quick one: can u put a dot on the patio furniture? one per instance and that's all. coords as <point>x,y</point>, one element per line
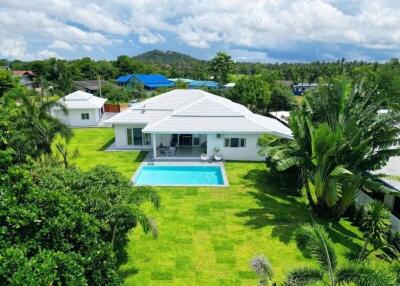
<point>162,150</point>
<point>204,157</point>
<point>218,157</point>
<point>170,151</point>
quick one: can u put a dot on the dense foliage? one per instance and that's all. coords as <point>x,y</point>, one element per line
<point>57,76</point>
<point>261,94</point>
<point>332,146</point>
<point>58,225</point>
<point>221,66</point>
<point>315,242</point>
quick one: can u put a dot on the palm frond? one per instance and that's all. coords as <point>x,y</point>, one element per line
<point>365,275</point>
<point>303,276</point>
<point>318,244</point>
<point>144,194</point>
<point>340,171</point>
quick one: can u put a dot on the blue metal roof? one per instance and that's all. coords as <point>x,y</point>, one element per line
<point>203,83</point>
<point>124,78</point>
<point>149,81</point>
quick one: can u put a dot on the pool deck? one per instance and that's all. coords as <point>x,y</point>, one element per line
<point>148,161</point>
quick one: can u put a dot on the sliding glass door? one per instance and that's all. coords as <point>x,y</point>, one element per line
<point>135,137</point>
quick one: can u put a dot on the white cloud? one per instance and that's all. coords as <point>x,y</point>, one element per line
<point>12,48</point>
<point>243,55</point>
<point>257,24</point>
<point>61,45</point>
<point>16,49</point>
<point>45,54</point>
<point>87,48</point>
<point>151,38</point>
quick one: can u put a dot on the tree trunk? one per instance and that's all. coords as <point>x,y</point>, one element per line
<point>309,196</point>
<point>360,256</point>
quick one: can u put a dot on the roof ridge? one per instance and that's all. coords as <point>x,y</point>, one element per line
<point>170,115</point>
<point>189,105</point>
<point>214,98</point>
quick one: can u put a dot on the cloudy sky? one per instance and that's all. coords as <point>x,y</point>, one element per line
<point>250,30</point>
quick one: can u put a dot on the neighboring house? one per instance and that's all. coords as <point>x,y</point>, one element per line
<point>84,109</point>
<point>301,87</point>
<point>287,83</point>
<point>149,81</point>
<point>27,78</point>
<point>204,84</point>
<point>193,122</point>
<point>90,86</point>
<point>185,80</point>
<point>281,115</point>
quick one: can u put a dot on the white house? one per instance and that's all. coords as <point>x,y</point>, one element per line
<point>84,109</point>
<point>193,122</point>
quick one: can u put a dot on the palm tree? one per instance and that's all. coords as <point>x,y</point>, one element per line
<point>376,222</point>
<point>333,146</point>
<point>316,242</point>
<point>33,116</point>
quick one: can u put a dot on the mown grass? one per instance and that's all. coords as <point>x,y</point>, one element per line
<point>207,236</point>
<point>91,144</point>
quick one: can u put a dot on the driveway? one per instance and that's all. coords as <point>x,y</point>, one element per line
<point>106,115</point>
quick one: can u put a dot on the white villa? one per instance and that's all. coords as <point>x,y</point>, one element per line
<point>188,123</point>
<point>84,109</point>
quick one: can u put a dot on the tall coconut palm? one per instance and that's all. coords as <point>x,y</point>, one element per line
<point>32,116</point>
<point>339,135</point>
<point>316,242</point>
<point>376,223</point>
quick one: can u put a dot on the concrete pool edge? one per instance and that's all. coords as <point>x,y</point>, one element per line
<point>186,163</point>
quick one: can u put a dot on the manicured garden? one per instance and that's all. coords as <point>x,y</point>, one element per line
<point>207,236</point>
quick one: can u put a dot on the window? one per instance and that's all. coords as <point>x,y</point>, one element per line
<point>135,137</point>
<point>235,142</point>
<point>85,116</point>
<point>147,139</point>
<point>196,140</point>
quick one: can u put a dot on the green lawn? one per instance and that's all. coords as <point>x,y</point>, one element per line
<point>207,236</point>
<point>91,143</point>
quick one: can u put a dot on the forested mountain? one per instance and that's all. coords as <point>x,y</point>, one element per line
<point>179,65</point>
<point>159,57</point>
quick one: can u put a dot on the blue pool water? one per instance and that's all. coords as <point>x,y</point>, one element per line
<point>179,176</point>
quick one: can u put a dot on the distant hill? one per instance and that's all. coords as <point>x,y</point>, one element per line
<point>166,58</point>
<point>175,64</point>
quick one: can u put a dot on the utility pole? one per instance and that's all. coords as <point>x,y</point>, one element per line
<point>99,85</point>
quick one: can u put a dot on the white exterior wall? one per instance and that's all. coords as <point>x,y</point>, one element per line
<point>121,140</point>
<point>73,118</point>
<point>248,153</point>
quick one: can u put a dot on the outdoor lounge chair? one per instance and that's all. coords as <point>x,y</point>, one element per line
<point>171,151</point>
<point>218,157</point>
<point>204,157</point>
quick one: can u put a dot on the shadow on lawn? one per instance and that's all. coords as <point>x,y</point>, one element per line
<point>139,158</point>
<point>106,145</point>
<point>276,208</point>
<point>284,212</point>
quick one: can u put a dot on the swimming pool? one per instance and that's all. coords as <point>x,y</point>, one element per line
<point>160,175</point>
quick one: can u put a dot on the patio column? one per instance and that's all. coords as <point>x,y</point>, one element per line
<point>153,140</point>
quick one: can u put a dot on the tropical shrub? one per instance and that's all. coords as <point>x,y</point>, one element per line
<point>62,226</point>
<point>315,242</point>
<point>333,147</point>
